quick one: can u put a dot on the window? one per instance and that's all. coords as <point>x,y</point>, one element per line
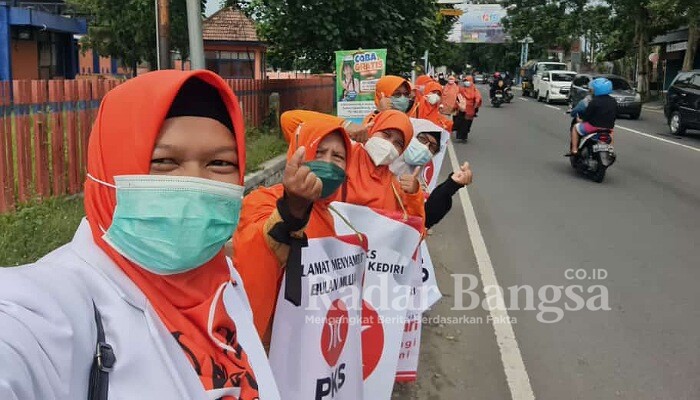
<point>620,84</point>
<point>581,81</point>
<point>562,77</point>
<point>695,82</point>
<point>231,64</point>
<point>544,67</point>
<point>683,79</point>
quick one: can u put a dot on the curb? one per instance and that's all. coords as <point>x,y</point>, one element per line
<point>269,174</point>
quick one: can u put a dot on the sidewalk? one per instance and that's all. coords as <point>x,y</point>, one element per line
<point>657,105</point>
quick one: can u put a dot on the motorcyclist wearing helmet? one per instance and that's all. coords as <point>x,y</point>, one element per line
<point>599,115</point>
<point>495,85</point>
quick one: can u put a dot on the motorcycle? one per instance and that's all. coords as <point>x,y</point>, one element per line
<point>595,155</point>
<point>508,95</point>
<point>497,98</point>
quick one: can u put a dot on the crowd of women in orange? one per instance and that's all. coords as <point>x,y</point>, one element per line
<point>171,317</point>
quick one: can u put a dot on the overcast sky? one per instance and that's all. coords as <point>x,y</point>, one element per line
<point>212,7</point>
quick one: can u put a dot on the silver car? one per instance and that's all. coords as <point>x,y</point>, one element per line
<point>629,102</point>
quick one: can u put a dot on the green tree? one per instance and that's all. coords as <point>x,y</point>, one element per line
<point>126,29</point>
<point>686,12</point>
<point>642,21</point>
<point>550,23</point>
<point>304,35</point>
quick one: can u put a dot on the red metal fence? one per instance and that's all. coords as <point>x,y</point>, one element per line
<point>45,126</point>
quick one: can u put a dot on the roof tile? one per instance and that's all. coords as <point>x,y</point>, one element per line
<point>229,24</point>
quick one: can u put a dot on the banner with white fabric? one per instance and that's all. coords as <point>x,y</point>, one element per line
<point>431,170</point>
<point>425,294</point>
<point>386,293</point>
<point>315,351</point>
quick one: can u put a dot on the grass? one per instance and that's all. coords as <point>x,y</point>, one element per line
<point>262,145</point>
<point>38,227</point>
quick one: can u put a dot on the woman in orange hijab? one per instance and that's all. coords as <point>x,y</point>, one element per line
<point>468,103</point>
<point>393,93</point>
<point>449,96</point>
<point>370,182</point>
<point>421,81</point>
<point>295,208</point>
<point>145,277</point>
<point>430,106</point>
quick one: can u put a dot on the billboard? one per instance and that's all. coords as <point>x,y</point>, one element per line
<point>479,23</point>
<point>357,74</point>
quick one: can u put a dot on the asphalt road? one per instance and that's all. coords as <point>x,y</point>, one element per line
<point>641,226</point>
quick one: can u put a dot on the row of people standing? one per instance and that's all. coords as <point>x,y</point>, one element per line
<point>143,303</point>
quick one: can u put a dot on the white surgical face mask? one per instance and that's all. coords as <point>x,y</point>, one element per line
<point>417,153</point>
<point>381,151</point>
<point>467,84</point>
<point>433,98</point>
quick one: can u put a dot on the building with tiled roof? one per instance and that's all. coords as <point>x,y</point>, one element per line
<point>232,47</point>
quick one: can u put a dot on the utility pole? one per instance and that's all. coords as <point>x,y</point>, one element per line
<point>194,28</point>
<point>163,16</point>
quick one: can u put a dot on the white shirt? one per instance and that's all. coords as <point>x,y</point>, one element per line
<point>48,332</point>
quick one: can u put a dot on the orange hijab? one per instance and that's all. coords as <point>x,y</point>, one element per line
<point>121,143</point>
<point>370,185</point>
<point>254,260</point>
<point>386,86</point>
<point>429,111</point>
<point>472,97</point>
<point>470,92</point>
<point>449,96</point>
<point>421,83</point>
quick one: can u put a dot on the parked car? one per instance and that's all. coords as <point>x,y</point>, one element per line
<point>628,100</point>
<point>540,69</point>
<point>555,86</point>
<point>682,108</point>
<point>479,78</point>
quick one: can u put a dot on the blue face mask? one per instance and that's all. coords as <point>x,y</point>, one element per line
<point>172,224</point>
<point>400,103</point>
<point>417,153</point>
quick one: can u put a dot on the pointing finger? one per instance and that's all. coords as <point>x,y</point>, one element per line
<point>416,172</point>
<point>297,157</point>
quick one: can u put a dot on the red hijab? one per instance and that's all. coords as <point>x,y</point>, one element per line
<point>121,143</point>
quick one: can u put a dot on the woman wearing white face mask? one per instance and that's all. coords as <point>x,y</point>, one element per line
<point>425,145</point>
<point>430,106</point>
<point>468,103</point>
<point>370,182</point>
<point>143,303</point>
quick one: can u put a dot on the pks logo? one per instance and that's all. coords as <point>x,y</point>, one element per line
<point>333,338</point>
<point>335,332</point>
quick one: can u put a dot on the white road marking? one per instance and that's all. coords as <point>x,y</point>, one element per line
<point>553,107</point>
<point>513,365</point>
<point>523,99</point>
<point>657,138</point>
<point>654,110</point>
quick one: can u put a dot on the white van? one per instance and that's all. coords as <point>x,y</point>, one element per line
<point>554,86</point>
<point>540,69</point>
